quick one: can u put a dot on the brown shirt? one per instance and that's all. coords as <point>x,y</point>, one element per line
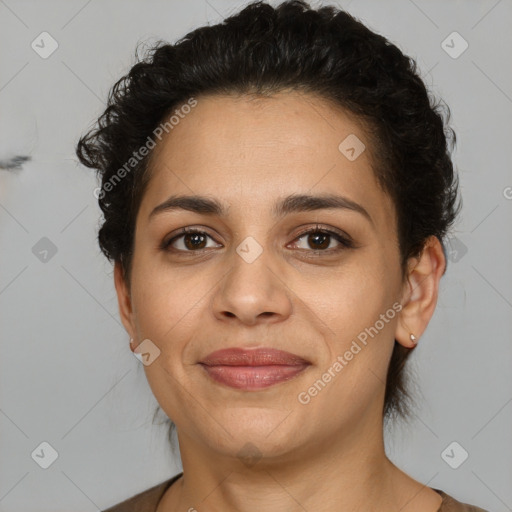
<point>147,501</point>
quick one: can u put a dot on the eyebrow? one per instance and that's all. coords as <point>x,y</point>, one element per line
<point>291,204</point>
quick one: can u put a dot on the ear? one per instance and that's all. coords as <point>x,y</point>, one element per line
<point>420,292</point>
<point>124,300</point>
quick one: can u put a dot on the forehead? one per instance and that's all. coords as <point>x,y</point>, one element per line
<point>250,151</point>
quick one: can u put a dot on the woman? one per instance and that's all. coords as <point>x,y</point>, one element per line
<point>276,191</point>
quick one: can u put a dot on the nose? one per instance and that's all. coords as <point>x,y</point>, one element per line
<point>252,291</point>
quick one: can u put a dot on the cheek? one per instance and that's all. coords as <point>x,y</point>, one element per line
<point>355,308</point>
<point>163,297</point>
<point>168,310</point>
<point>350,298</point>
<point>361,320</point>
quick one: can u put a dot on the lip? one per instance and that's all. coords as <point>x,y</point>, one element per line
<point>252,369</point>
<point>264,356</point>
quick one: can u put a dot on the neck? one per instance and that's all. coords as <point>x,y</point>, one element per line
<point>344,472</point>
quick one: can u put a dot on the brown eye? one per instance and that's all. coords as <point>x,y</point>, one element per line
<point>319,240</point>
<point>194,241</point>
<point>189,240</point>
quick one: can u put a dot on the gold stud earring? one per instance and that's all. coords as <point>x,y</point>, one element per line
<point>413,338</point>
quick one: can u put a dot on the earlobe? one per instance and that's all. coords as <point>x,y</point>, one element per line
<point>123,299</point>
<point>420,293</point>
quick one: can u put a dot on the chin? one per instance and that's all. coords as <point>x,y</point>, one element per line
<point>266,429</point>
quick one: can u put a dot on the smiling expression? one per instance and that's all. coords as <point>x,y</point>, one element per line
<point>291,246</point>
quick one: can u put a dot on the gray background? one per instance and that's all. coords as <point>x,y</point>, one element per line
<point>67,375</point>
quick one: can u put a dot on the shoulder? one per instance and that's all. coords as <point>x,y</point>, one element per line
<point>145,501</point>
<point>450,504</point>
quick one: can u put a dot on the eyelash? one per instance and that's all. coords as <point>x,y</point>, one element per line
<point>346,243</point>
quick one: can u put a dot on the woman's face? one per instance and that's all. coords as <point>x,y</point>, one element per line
<point>252,279</point>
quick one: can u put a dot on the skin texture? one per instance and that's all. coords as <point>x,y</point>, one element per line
<point>328,454</point>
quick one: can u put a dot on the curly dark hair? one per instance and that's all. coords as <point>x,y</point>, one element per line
<point>263,50</point>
